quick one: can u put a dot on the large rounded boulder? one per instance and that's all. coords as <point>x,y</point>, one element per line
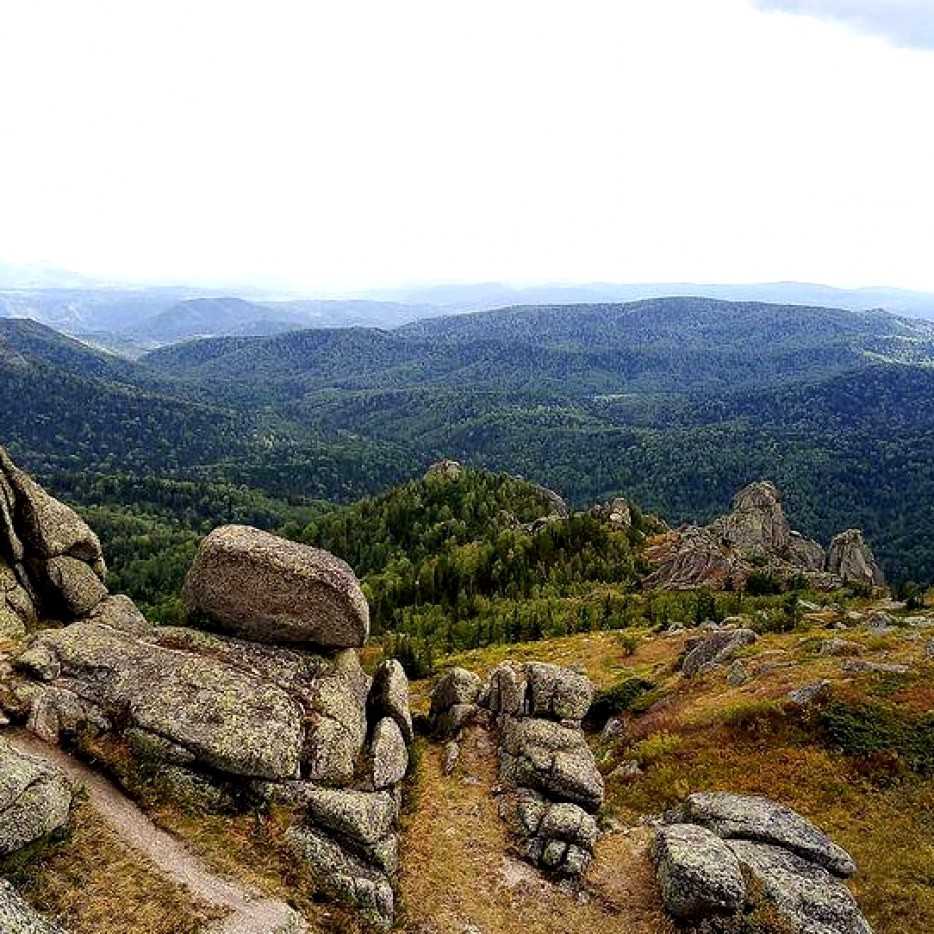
<point>267,589</point>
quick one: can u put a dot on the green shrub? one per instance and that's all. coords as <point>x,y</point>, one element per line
<point>866,730</point>
<point>617,698</point>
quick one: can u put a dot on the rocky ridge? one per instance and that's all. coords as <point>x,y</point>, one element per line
<point>755,537</point>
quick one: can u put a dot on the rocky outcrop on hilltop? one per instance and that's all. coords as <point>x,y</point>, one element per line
<point>718,852</point>
<point>35,800</point>
<point>268,704</point>
<point>616,513</point>
<point>756,538</point>
<point>553,787</point>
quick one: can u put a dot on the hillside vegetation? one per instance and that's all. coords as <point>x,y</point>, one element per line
<point>674,402</point>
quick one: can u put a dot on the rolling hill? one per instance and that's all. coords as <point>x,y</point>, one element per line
<point>677,402</point>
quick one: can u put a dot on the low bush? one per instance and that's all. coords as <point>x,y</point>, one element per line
<point>617,698</point>
<point>867,730</point>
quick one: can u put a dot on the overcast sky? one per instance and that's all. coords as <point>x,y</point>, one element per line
<point>363,143</point>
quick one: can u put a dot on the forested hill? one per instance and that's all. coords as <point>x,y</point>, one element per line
<point>664,345</point>
<point>678,402</point>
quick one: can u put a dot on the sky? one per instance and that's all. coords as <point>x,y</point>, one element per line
<point>335,147</point>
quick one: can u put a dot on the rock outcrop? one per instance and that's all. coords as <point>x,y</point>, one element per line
<point>756,538</point>
<point>554,787</point>
<point>615,513</point>
<point>35,800</point>
<point>51,563</point>
<point>851,559</point>
<point>270,706</point>
<point>717,852</point>
<point>705,652</point>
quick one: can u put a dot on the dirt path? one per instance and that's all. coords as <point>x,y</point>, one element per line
<point>250,913</point>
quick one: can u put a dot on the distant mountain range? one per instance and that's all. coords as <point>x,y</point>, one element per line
<point>130,321</point>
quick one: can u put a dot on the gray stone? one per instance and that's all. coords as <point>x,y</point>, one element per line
<point>454,719</point>
<point>35,799</point>
<point>551,758</point>
<point>840,647</point>
<point>343,875</point>
<point>737,675</point>
<point>120,613</point>
<point>452,752</point>
<point>751,817</point>
<point>331,688</point>
<point>228,719</point>
<point>55,711</point>
<point>807,554</point>
<point>557,692</point>
<point>570,823</point>
<point>265,588</point>
<point>39,661</point>
<point>507,690</point>
<point>18,917</point>
<point>859,666</point>
<point>78,587</point>
<point>719,647</point>
<point>388,754</point>
<point>553,853</point>
<point>697,873</point>
<point>457,686</point>
<point>389,696</point>
<point>851,559</point>
<point>48,527</point>
<point>808,897</point>
<point>361,816</point>
<point>809,693</point>
<point>757,524</point>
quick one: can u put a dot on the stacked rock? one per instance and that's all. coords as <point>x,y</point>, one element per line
<point>50,561</point>
<point>718,853</point>
<point>543,755</point>
<point>261,696</point>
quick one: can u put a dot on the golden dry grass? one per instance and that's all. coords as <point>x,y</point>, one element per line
<point>94,884</point>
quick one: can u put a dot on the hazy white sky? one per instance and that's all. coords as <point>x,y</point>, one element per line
<point>344,145</point>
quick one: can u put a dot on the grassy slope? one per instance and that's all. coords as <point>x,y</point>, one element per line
<point>707,735</point>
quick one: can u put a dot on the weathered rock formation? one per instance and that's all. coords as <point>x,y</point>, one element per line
<point>616,513</point>
<point>273,708</point>
<point>35,800</point>
<point>701,653</point>
<point>554,787</point>
<point>18,917</point>
<point>755,537</point>
<point>50,561</point>
<point>717,852</point>
<point>851,559</point>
